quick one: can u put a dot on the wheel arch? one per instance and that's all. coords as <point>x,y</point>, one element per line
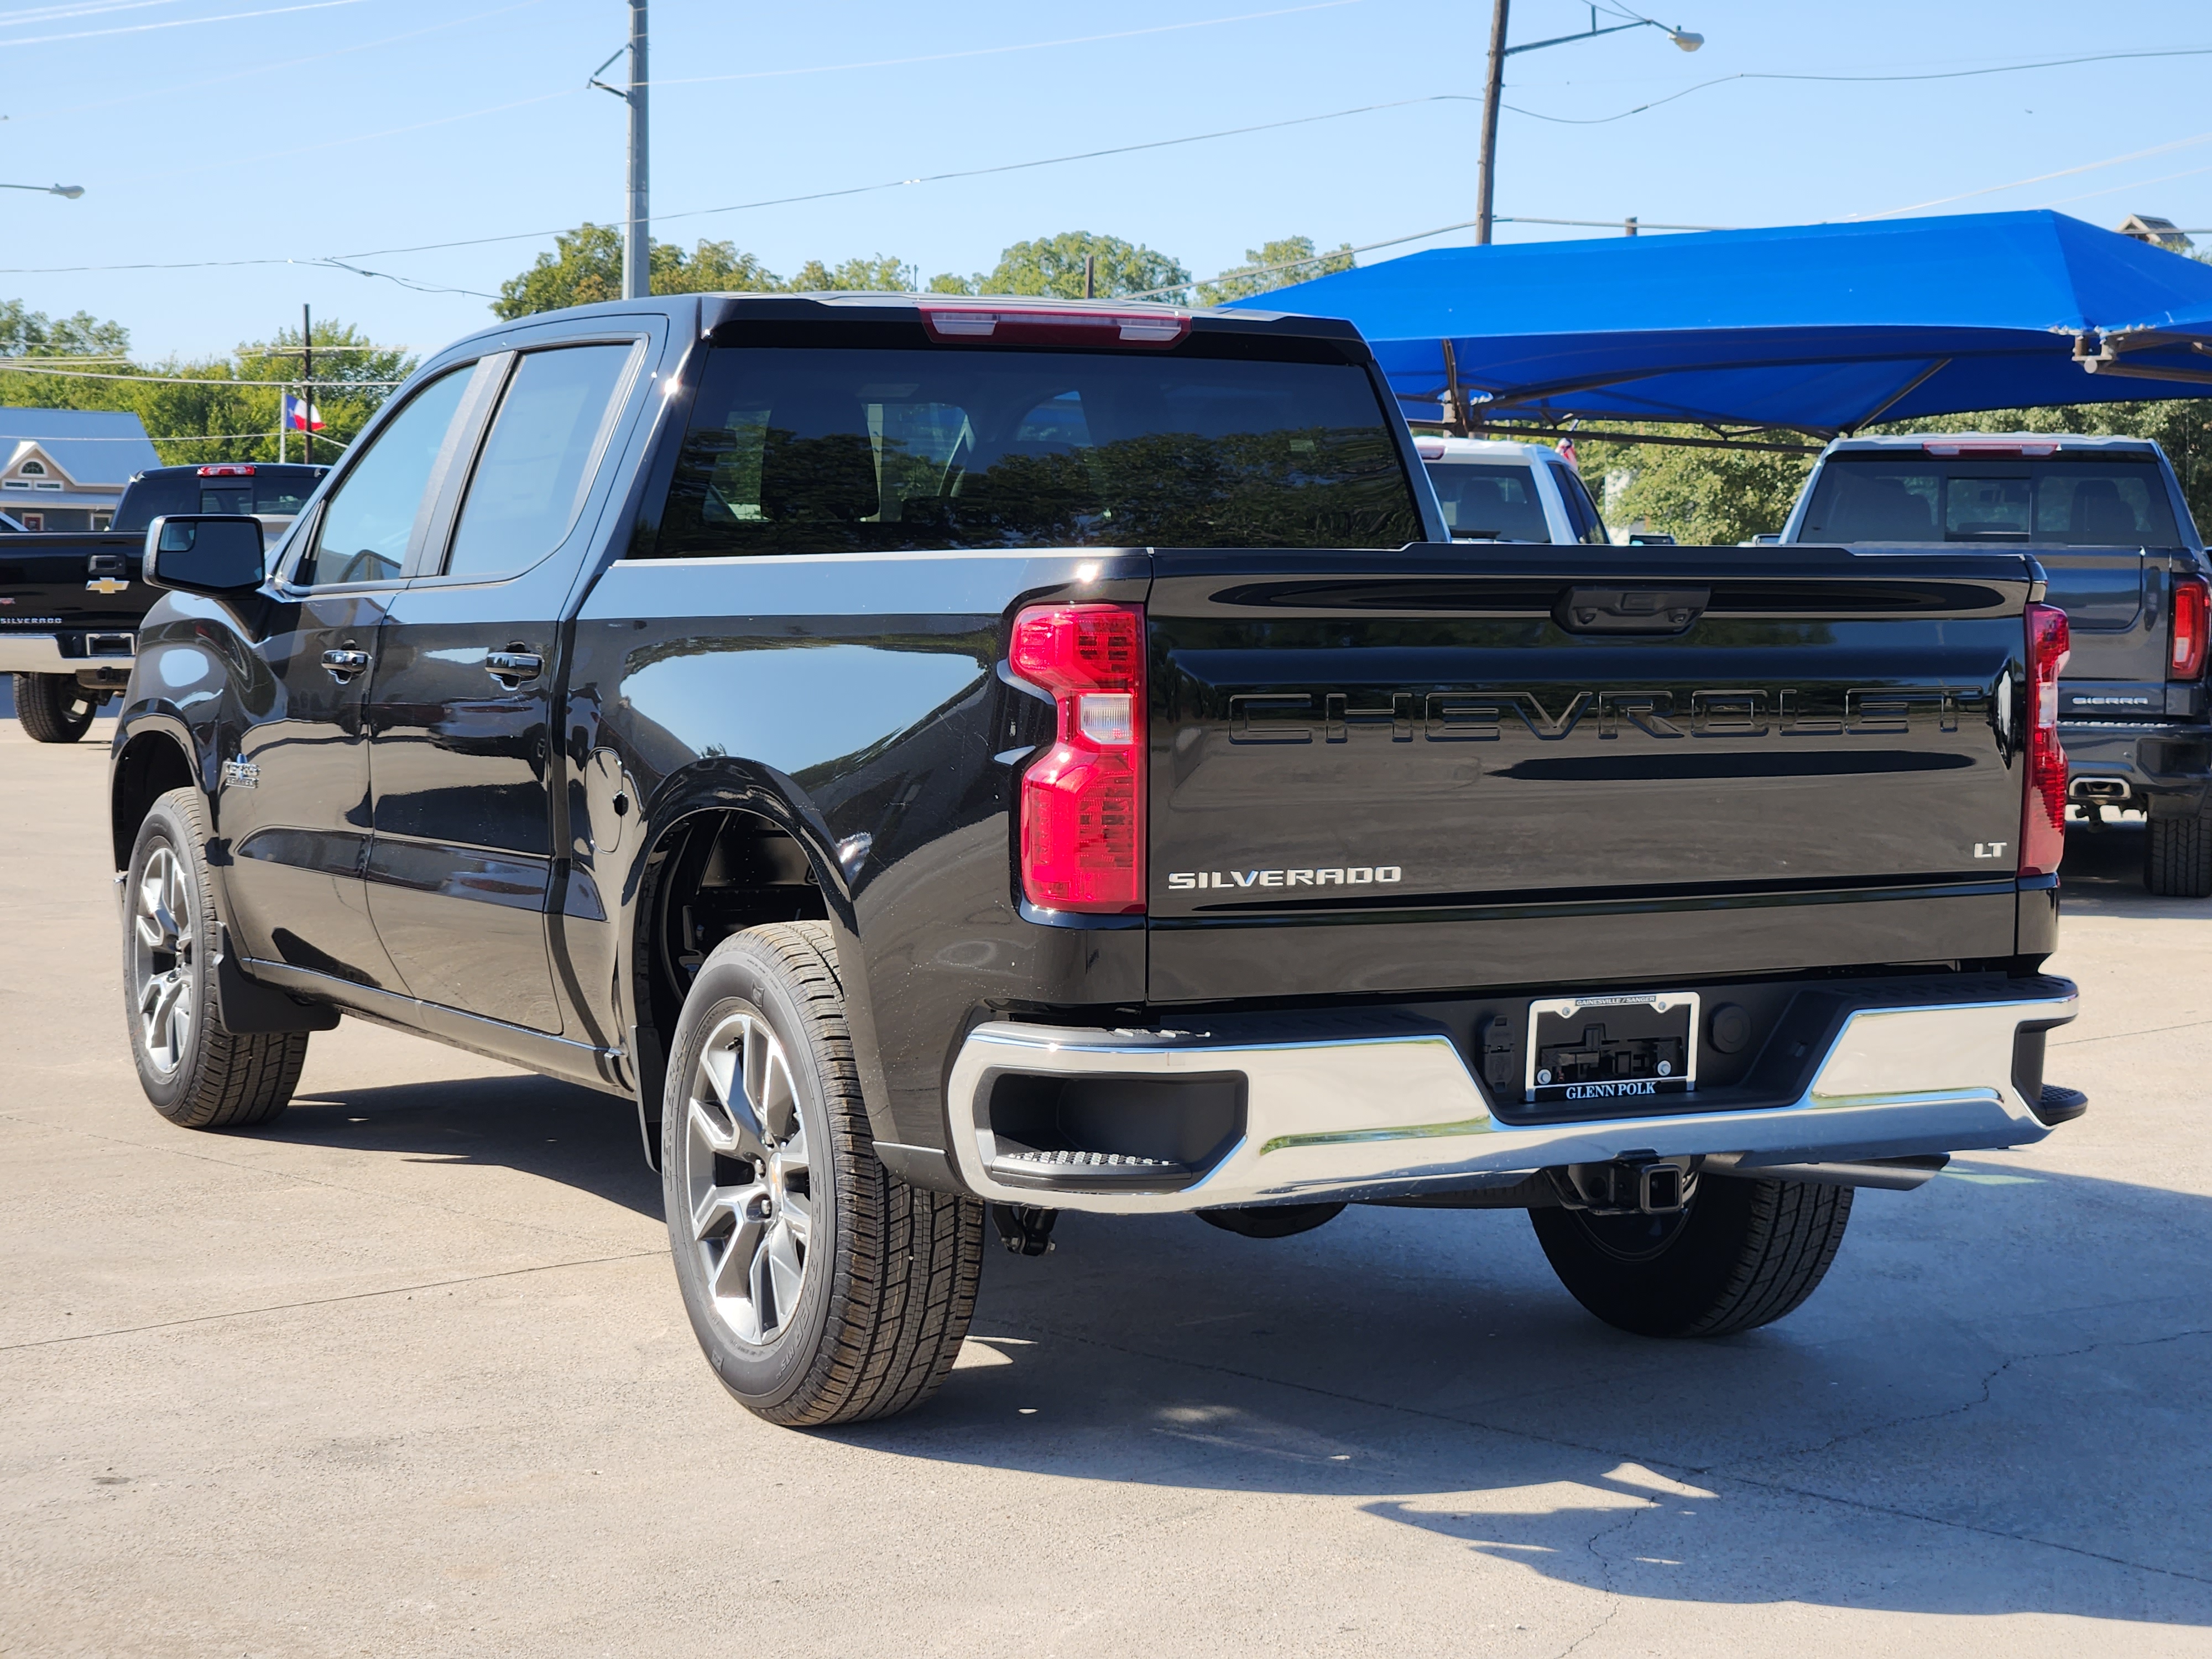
<point>725,845</point>
<point>153,755</point>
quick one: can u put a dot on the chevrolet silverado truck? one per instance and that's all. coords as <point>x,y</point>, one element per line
<point>947,762</point>
<point>2106,521</point>
<point>70,601</point>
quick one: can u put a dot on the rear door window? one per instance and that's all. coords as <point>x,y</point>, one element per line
<point>1581,512</point>
<point>1490,500</point>
<point>808,450</point>
<point>537,463</point>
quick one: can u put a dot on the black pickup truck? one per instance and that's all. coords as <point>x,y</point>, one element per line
<point>2105,519</point>
<point>70,601</point>
<point>951,763</point>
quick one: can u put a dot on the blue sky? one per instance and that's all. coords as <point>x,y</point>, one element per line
<point>200,134</point>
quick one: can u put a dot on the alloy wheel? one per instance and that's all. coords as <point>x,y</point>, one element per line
<point>161,959</point>
<point>748,1178</point>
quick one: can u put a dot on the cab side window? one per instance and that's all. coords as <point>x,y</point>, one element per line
<point>536,464</point>
<point>369,518</point>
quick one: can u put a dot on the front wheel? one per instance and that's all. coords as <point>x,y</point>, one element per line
<point>54,707</point>
<point>1744,1253</point>
<point>197,1072</point>
<point>822,1288</point>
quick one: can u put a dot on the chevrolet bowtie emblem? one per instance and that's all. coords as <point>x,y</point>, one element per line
<point>106,584</point>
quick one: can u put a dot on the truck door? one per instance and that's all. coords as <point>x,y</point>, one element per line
<point>463,712</point>
<point>295,800</point>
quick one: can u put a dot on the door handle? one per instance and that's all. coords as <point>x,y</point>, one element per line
<point>512,668</point>
<point>345,664</point>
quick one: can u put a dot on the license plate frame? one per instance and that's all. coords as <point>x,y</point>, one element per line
<point>1660,1018</point>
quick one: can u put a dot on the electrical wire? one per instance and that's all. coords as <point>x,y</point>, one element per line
<point>995,51</point>
<point>742,207</point>
<point>195,379</point>
<point>2040,178</point>
<point>170,89</point>
<point>1933,75</point>
<point>181,23</point>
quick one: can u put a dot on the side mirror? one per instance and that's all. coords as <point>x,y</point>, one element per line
<point>204,553</point>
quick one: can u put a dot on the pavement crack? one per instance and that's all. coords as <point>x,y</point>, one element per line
<point>1989,1381</point>
<point>1605,1574</point>
<point>326,1301</point>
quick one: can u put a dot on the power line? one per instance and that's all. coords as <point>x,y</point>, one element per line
<point>193,379</point>
<point>1935,75</point>
<point>180,23</point>
<point>994,52</point>
<point>2040,178</point>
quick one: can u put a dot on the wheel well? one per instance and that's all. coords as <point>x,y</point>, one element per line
<point>712,874</point>
<point>151,766</point>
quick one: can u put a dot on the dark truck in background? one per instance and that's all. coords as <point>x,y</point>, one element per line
<point>70,601</point>
<point>948,762</point>
<point>2106,521</point>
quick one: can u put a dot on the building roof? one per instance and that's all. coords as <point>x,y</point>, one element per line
<point>92,446</point>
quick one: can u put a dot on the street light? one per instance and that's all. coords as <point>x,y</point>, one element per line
<point>1485,178</point>
<point>70,190</point>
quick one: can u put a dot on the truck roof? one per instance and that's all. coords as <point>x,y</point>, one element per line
<point>715,310</point>
<point>2065,440</point>
<point>1436,449</point>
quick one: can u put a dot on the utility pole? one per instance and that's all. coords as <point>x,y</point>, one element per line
<point>637,231</point>
<point>1485,178</point>
<point>307,383</point>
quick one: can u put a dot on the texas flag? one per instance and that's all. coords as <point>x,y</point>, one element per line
<point>300,416</point>
<point>1567,453</point>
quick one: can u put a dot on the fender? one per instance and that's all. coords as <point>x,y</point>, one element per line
<point>718,784</point>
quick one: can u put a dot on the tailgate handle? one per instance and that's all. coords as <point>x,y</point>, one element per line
<point>1630,610</point>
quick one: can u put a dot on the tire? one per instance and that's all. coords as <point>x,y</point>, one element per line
<point>1743,1255</point>
<point>823,1289</point>
<point>54,707</point>
<point>2178,857</point>
<point>198,1073</point>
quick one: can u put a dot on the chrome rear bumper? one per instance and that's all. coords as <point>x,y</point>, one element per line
<point>41,653</point>
<point>1397,1112</point>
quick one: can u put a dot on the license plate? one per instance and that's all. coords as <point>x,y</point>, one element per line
<point>1603,1048</point>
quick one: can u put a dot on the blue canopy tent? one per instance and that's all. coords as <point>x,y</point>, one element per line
<point>1819,328</point>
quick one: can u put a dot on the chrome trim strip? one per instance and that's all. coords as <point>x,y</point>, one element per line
<point>1398,1113</point>
<point>36,654</point>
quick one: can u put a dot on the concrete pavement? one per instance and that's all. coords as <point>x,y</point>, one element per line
<point>407,1374</point>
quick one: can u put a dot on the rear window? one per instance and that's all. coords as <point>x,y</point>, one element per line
<point>852,449</point>
<point>1490,500</point>
<point>273,490</point>
<point>1581,512</point>
<point>2055,504</point>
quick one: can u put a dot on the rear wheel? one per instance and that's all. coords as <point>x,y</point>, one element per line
<point>2178,856</point>
<point>822,1288</point>
<point>1743,1254</point>
<point>54,707</point>
<point>198,1073</point>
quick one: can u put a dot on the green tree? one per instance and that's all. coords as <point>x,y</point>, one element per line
<point>1272,265</point>
<point>586,267</point>
<point>1708,497</point>
<point>1053,265</point>
<point>881,274</point>
<point>27,333</point>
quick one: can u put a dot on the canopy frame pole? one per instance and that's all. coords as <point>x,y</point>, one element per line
<point>1523,433</point>
<point>1899,395</point>
<point>1455,417</point>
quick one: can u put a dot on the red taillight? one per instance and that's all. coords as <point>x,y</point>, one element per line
<point>1082,803</point>
<point>1048,325</point>
<point>226,469</point>
<point>2043,818</point>
<point>2193,612</point>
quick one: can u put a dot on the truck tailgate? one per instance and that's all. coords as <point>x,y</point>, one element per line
<point>1444,768</point>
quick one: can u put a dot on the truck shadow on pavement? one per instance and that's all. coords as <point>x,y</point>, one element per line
<point>578,1137</point>
<point>1995,1404</point>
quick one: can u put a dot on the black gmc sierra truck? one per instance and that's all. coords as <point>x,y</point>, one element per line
<point>948,762</point>
<point>2105,520</point>
<point>70,601</point>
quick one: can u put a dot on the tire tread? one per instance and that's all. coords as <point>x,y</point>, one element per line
<point>39,709</point>
<point>2178,856</point>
